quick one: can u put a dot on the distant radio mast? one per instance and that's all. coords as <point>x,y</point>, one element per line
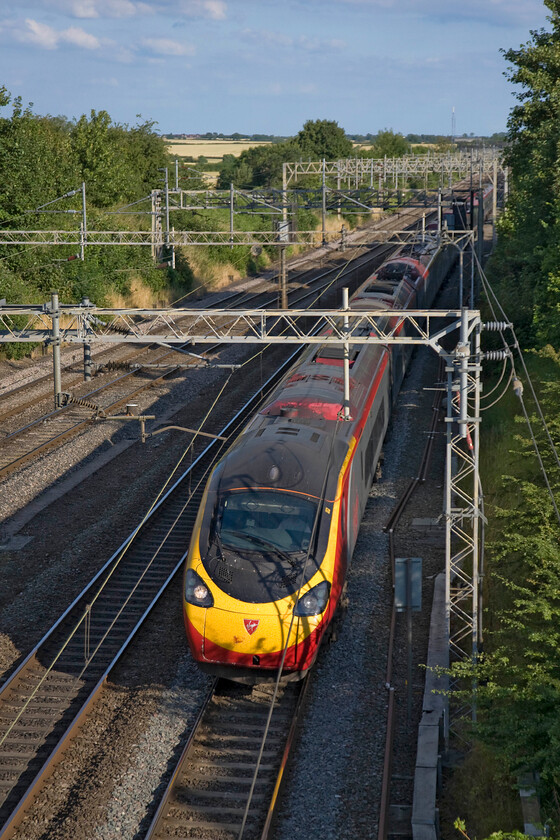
<point>453,127</point>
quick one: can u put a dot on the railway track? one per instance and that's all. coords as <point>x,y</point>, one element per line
<point>35,438</point>
<point>384,829</point>
<point>45,700</point>
<point>209,793</point>
<point>228,777</point>
<point>305,283</point>
<point>76,656</point>
<point>51,430</point>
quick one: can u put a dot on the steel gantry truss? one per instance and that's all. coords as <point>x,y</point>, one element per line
<point>351,185</point>
<point>373,171</point>
<point>175,238</point>
<point>87,324</point>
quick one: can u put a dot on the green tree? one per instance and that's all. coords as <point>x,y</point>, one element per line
<point>530,230</point>
<point>42,158</point>
<point>100,158</point>
<point>146,155</point>
<point>323,139</point>
<point>259,166</point>
<point>36,162</point>
<point>518,693</point>
<point>390,143</point>
<point>496,835</point>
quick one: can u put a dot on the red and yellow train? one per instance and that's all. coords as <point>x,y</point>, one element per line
<point>281,510</point>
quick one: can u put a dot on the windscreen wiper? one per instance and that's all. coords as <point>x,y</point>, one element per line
<point>262,541</point>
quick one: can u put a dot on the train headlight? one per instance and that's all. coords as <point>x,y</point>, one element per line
<point>196,591</point>
<point>314,601</point>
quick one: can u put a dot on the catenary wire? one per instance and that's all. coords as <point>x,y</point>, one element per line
<point>490,291</point>
<point>288,634</point>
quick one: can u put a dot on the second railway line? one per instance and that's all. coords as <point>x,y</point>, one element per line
<point>330,700</point>
<point>22,443</point>
<point>318,817</point>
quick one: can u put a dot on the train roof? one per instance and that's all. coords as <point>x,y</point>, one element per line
<point>284,455</point>
<point>391,286</point>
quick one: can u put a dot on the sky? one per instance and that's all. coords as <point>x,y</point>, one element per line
<point>267,66</point>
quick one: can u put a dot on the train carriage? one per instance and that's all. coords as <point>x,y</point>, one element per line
<point>281,511</point>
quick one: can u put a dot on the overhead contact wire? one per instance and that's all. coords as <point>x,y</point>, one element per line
<point>490,291</point>
<point>285,650</point>
<point>72,633</point>
<point>543,470</point>
<point>298,595</point>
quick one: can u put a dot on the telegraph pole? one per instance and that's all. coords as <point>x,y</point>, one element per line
<point>167,243</point>
<point>494,202</point>
<point>231,196</point>
<point>156,226</point>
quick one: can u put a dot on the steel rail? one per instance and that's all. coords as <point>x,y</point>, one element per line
<point>211,795</point>
<point>73,426</point>
<point>65,629</point>
<point>389,527</point>
<point>319,284</point>
<point>178,809</point>
<point>76,655</point>
<point>46,379</point>
<point>65,705</point>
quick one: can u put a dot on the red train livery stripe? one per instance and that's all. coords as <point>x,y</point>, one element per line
<point>273,582</point>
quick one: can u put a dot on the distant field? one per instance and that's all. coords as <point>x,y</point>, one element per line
<point>214,150</point>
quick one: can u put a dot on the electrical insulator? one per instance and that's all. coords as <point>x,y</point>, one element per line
<point>517,387</point>
<point>496,355</point>
<point>463,350</point>
<point>496,326</point>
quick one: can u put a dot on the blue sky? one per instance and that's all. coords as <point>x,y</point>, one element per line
<point>268,65</point>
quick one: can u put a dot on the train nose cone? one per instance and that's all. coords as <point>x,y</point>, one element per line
<point>275,465</point>
<point>237,637</point>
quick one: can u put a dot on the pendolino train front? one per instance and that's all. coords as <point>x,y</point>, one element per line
<point>281,511</point>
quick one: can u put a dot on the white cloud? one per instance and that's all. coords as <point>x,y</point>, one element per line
<point>80,38</point>
<point>102,81</point>
<point>104,9</point>
<point>267,38</point>
<point>101,8</point>
<point>166,46</point>
<point>48,38</point>
<point>123,55</point>
<point>213,9</point>
<point>38,33</point>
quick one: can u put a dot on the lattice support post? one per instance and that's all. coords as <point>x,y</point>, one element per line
<point>463,505</point>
